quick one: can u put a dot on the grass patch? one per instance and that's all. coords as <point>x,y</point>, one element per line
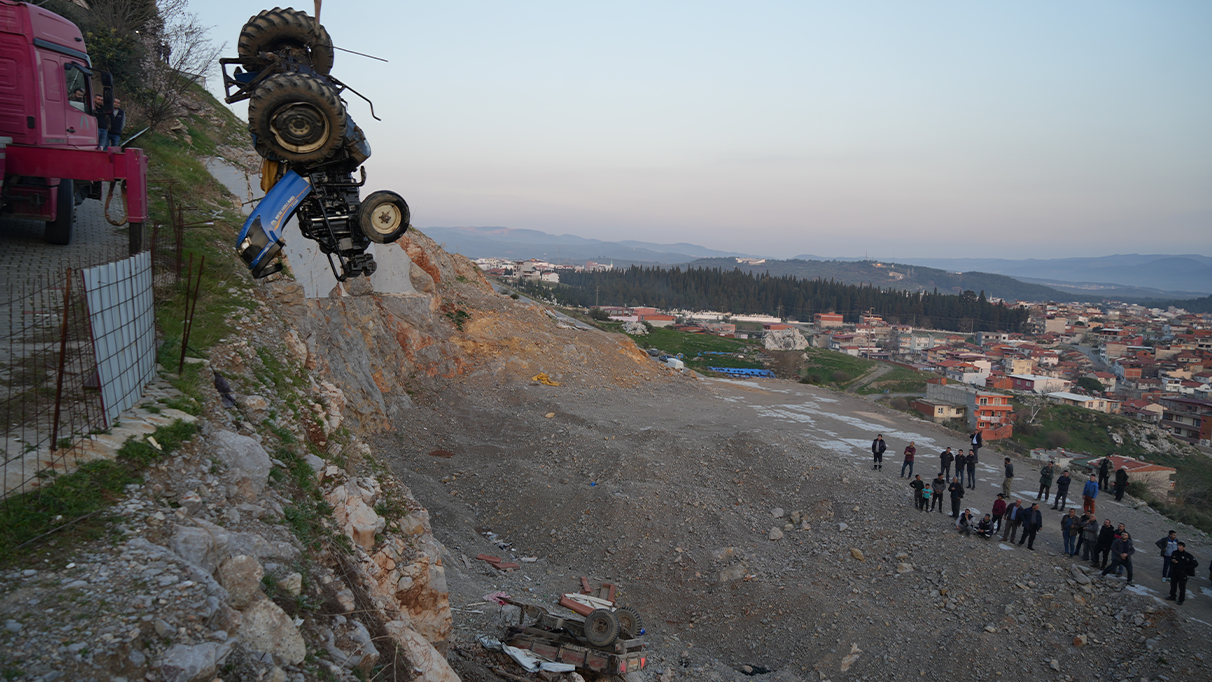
<point>82,495</point>
<point>899,380</point>
<point>832,368</point>
<point>699,351</point>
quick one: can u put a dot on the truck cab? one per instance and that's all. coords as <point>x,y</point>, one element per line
<point>49,100</point>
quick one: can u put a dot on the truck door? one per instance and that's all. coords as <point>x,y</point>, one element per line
<point>65,93</point>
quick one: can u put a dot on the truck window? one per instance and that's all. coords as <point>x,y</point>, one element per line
<point>77,86</point>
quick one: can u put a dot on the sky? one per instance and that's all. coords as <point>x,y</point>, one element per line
<point>891,129</point>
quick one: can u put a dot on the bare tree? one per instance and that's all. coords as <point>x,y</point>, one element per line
<point>181,55</point>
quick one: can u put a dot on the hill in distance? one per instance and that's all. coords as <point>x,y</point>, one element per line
<point>518,244</point>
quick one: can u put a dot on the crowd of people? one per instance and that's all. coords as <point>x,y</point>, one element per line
<point>1108,547</point>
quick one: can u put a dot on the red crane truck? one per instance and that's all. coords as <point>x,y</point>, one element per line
<point>49,156</point>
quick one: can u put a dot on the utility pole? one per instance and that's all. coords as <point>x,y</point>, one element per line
<point>596,290</point>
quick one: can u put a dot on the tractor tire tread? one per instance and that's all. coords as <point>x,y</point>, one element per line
<point>273,27</point>
<point>285,88</point>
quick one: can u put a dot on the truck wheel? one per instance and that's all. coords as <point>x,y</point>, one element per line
<point>297,117</point>
<point>275,30</point>
<point>59,230</point>
<point>601,628</point>
<point>383,217</point>
<point>629,621</point>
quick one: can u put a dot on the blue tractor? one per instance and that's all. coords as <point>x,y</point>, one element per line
<point>310,146</point>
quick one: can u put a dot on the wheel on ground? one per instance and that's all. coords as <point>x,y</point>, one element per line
<point>601,628</point>
<point>297,117</point>
<point>629,621</point>
<point>59,230</point>
<point>383,217</point>
<point>287,30</point>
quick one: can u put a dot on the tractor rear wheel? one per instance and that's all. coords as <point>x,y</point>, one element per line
<point>277,30</point>
<point>630,621</point>
<point>59,230</point>
<point>601,628</point>
<point>383,217</point>
<point>297,117</point>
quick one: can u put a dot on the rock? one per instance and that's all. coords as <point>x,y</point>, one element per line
<point>362,524</point>
<point>1054,664</point>
<point>198,663</point>
<point>857,554</point>
<point>421,281</point>
<point>256,403</point>
<point>724,553</point>
<point>777,512</point>
<point>244,459</point>
<point>198,547</point>
<point>904,568</point>
<point>1081,641</point>
<point>775,534</point>
<point>317,465</point>
<point>796,516</point>
<point>1080,576</point>
<point>267,628</point>
<point>1079,599</point>
<point>842,526</point>
<point>241,576</point>
<point>427,663</point>
<point>990,628</point>
<point>292,584</point>
<point>785,339</point>
<point>635,328</point>
<point>733,573</point>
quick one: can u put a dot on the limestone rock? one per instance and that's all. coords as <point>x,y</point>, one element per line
<point>1081,641</point>
<point>635,328</point>
<point>267,628</point>
<point>857,554</point>
<point>199,547</point>
<point>904,568</point>
<point>427,663</point>
<point>244,459</point>
<point>241,576</point>
<point>777,512</point>
<point>785,339</point>
<point>198,663</point>
<point>775,534</point>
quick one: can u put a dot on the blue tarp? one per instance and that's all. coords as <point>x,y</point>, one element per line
<point>738,372</point>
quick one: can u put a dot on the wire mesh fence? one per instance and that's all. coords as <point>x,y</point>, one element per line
<point>77,346</point>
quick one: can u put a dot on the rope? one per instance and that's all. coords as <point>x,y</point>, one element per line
<point>109,197</point>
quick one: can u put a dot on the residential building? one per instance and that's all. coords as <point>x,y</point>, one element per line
<point>990,412</point>
<point>824,320</point>
<point>1086,401</point>
<point>938,411</point>
<point>1037,383</point>
<point>1188,419</point>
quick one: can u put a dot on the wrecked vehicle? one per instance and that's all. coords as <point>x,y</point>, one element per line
<point>310,145</point>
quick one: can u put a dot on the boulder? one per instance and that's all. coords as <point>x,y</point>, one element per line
<point>785,339</point>
<point>267,628</point>
<point>198,546</point>
<point>241,576</point>
<point>427,663</point>
<point>197,663</point>
<point>244,459</point>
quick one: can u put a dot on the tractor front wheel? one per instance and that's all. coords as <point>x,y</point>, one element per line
<point>297,117</point>
<point>287,30</point>
<point>383,217</point>
<point>601,628</point>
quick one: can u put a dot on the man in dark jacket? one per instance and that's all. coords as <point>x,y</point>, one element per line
<point>1008,479</point>
<point>1062,490</point>
<point>1104,474</point>
<point>917,484</point>
<point>945,459</point>
<point>966,523</point>
<point>984,528</point>
<point>1102,546</point>
<point>1167,546</point>
<point>960,461</point>
<point>1045,481</point>
<point>977,442</point>
<point>1071,528</point>
<point>1014,519</point>
<point>1121,555</point>
<point>1033,520</point>
<point>1182,567</point>
<point>970,463</point>
<point>999,509</point>
<point>878,446</point>
<point>937,487</point>
<point>1121,483</point>
<point>117,121</point>
<point>957,493</point>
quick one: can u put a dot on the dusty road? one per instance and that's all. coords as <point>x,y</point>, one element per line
<point>669,492</point>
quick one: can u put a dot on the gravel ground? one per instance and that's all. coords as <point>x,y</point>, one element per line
<point>671,490</point>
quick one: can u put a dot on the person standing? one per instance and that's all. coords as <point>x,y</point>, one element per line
<point>1167,545</point>
<point>1014,519</point>
<point>937,487</point>
<point>878,447</point>
<point>910,452</point>
<point>1070,529</point>
<point>1089,537</point>
<point>1121,483</point>
<point>1121,555</point>
<point>1104,473</point>
<point>1182,567</point>
<point>977,442</point>
<point>1089,492</point>
<point>970,463</point>
<point>945,459</point>
<point>1102,546</point>
<point>999,509</point>
<point>117,121</point>
<point>1008,479</point>
<point>917,484</point>
<point>1062,491</point>
<point>960,461</point>
<point>1045,481</point>
<point>1033,520</point>
<point>957,493</point>
<point>103,121</point>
